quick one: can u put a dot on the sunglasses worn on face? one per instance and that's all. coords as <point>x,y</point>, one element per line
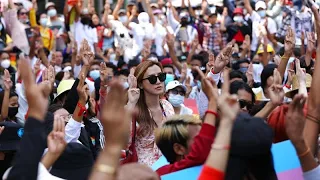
<point>23,13</point>
<point>175,92</point>
<point>154,78</point>
<point>244,103</point>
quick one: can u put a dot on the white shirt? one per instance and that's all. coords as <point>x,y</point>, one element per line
<point>141,33</point>
<point>82,32</point>
<point>185,110</point>
<point>257,70</point>
<point>73,130</point>
<point>23,103</point>
<point>256,22</point>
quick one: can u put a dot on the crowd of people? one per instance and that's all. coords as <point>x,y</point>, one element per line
<point>101,95</point>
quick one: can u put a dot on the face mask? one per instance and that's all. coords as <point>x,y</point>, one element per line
<point>238,19</point>
<point>95,74</point>
<point>112,57</point>
<point>243,69</point>
<point>199,84</point>
<point>43,22</point>
<point>52,12</point>
<point>262,13</point>
<point>198,12</point>
<point>5,63</point>
<point>176,100</point>
<point>12,112</point>
<point>125,85</point>
<point>1,27</point>
<point>57,69</point>
<point>24,21</point>
<point>123,19</point>
<point>169,78</point>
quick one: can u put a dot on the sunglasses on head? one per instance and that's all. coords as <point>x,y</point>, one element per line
<point>154,78</point>
<point>244,103</point>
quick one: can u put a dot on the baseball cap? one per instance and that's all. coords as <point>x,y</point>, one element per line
<point>174,84</point>
<point>49,4</point>
<point>238,11</point>
<point>260,4</point>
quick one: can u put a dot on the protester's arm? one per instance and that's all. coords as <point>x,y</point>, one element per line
<point>150,13</point>
<point>194,45</point>
<point>5,102</point>
<point>294,124</point>
<point>191,11</point>
<point>310,47</point>
<point>229,5</point>
<point>117,8</point>
<point>247,6</point>
<point>289,44</point>
<point>56,143</point>
<point>33,141</point>
<point>116,125</point>
<point>171,19</point>
<point>175,61</point>
<point>312,125</point>
<point>229,108</point>
<point>105,18</point>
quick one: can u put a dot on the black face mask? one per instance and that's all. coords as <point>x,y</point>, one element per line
<point>12,112</point>
<point>219,10</point>
<point>86,21</point>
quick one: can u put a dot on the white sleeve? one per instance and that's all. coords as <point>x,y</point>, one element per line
<point>255,16</point>
<point>215,77</point>
<point>312,174</point>
<point>272,26</point>
<point>95,35</point>
<point>73,130</point>
<point>76,70</point>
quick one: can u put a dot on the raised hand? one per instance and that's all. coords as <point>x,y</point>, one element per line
<point>7,83</point>
<point>36,67</point>
<point>246,43</point>
<point>82,89</point>
<point>289,41</point>
<point>37,95</point>
<point>133,92</point>
<point>170,40</point>
<point>183,72</point>
<point>249,75</point>
<point>223,58</point>
<point>104,76</point>
<point>195,43</point>
<point>115,118</point>
<point>208,85</point>
<point>49,74</point>
<point>56,139</point>
<point>228,104</point>
<point>188,86</point>
<point>211,62</point>
<point>311,42</point>
<point>295,119</point>
<point>85,53</point>
<point>300,72</point>
<point>276,92</point>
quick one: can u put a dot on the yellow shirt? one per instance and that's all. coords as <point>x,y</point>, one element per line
<point>46,33</point>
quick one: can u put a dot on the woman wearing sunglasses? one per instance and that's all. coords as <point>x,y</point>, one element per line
<point>246,96</point>
<point>146,89</point>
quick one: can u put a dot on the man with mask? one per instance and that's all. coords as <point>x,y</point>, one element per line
<point>54,22</point>
<point>175,93</point>
<point>183,31</point>
<point>259,19</point>
<point>239,28</point>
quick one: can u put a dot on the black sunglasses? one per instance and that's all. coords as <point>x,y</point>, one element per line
<point>175,92</point>
<point>23,13</point>
<point>244,103</point>
<point>154,78</point>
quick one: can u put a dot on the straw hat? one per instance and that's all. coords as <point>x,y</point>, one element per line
<point>295,85</point>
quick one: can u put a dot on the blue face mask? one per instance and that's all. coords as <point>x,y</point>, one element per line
<point>199,84</point>
<point>262,13</point>
<point>95,74</point>
<point>169,78</point>
<point>243,70</point>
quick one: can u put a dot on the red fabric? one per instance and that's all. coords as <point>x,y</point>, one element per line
<point>200,150</point>
<point>238,11</point>
<point>209,173</point>
<point>277,121</point>
<point>100,30</point>
<point>239,37</point>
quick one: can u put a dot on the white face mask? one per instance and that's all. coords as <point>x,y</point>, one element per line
<point>112,57</point>
<point>106,32</point>
<point>238,19</point>
<point>57,69</point>
<point>126,85</point>
<point>52,12</point>
<point>123,19</point>
<point>176,100</point>
<point>1,26</point>
<point>5,63</point>
<point>43,22</point>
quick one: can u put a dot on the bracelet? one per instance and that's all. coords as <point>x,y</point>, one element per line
<point>105,169</point>
<point>213,113</point>
<point>313,119</point>
<point>220,147</point>
<point>305,153</point>
<point>82,109</point>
